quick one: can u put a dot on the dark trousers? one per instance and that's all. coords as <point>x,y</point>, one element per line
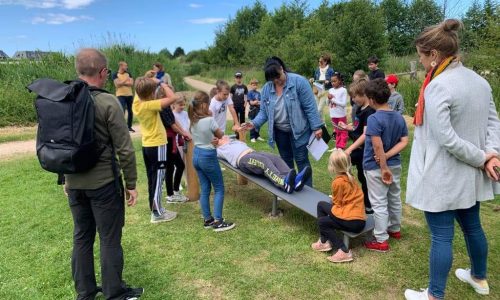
<point>267,164</point>
<point>328,223</point>
<point>357,160</point>
<point>290,153</point>
<point>155,160</point>
<point>102,209</point>
<point>126,102</point>
<point>253,132</point>
<point>175,168</point>
<point>240,113</point>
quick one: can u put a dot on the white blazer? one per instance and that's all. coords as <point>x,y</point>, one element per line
<point>460,125</point>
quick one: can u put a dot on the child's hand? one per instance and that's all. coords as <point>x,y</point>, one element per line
<point>386,176</point>
<point>345,126</point>
<point>330,96</point>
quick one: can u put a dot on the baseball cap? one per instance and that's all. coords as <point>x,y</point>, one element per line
<point>238,74</point>
<point>392,79</point>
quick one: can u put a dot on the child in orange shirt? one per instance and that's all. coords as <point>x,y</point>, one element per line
<point>346,212</point>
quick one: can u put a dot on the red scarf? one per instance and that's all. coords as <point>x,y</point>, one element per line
<point>418,120</point>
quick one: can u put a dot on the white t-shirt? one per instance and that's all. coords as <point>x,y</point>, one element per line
<point>219,111</point>
<point>338,102</point>
<point>183,119</point>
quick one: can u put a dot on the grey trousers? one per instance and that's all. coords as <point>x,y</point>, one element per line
<point>271,166</point>
<point>385,201</point>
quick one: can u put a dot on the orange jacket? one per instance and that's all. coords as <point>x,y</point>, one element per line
<point>348,200</point>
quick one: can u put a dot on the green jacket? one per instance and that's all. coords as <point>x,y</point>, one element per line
<point>110,126</point>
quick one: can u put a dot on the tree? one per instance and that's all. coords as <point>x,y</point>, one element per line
<point>395,14</point>
<point>359,34</point>
<point>178,52</point>
<point>422,13</point>
<point>166,53</point>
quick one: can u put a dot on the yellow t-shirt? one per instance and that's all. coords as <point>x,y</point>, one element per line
<point>152,129</point>
<point>123,90</point>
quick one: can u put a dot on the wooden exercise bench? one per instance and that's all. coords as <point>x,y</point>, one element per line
<point>306,200</point>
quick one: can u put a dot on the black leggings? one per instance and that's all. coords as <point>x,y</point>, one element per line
<point>328,223</point>
<point>357,160</point>
<point>175,168</point>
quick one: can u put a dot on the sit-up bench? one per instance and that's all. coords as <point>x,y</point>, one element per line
<point>306,200</point>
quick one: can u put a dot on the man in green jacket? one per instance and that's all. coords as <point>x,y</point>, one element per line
<point>96,199</point>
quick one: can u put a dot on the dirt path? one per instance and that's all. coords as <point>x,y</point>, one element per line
<point>9,150</point>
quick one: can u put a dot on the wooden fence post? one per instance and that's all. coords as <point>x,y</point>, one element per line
<point>193,186</point>
<point>413,69</point>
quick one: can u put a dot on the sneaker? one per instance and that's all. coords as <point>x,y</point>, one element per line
<point>134,293</point>
<point>302,177</point>
<point>340,257</point>
<point>207,224</point>
<point>177,197</point>
<point>164,217</point>
<point>222,226</point>
<point>376,246</point>
<point>131,129</point>
<point>321,247</point>
<point>260,139</point>
<point>481,288</point>
<point>416,295</point>
<point>394,234</point>
<point>252,140</point>
<point>289,184</point>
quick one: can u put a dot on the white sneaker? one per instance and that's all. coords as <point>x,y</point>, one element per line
<point>415,295</point>
<point>252,140</point>
<point>179,197</point>
<point>260,139</point>
<point>480,288</point>
<point>164,217</point>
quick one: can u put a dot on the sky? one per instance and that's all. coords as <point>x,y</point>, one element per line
<point>66,25</point>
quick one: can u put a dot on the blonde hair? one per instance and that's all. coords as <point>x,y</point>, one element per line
<point>254,80</point>
<point>198,107</point>
<point>442,37</point>
<point>180,98</point>
<point>145,88</point>
<point>357,88</point>
<point>359,74</point>
<point>222,85</point>
<point>340,163</point>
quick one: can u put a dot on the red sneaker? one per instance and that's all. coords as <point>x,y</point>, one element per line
<point>395,234</point>
<point>376,246</point>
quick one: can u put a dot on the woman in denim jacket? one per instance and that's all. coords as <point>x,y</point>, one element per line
<point>288,105</point>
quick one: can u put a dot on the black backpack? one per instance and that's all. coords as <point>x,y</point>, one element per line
<point>66,141</point>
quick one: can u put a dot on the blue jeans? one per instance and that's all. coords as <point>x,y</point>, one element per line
<point>209,173</point>
<point>289,153</point>
<point>441,225</point>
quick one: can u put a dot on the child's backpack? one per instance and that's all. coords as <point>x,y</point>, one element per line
<point>66,141</point>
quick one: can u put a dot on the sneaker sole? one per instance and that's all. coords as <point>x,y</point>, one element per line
<point>323,250</point>
<point>162,220</point>
<point>377,250</point>
<point>225,228</point>
<point>340,261</point>
<point>480,292</point>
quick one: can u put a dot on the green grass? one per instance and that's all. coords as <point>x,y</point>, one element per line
<point>11,134</point>
<point>263,258</point>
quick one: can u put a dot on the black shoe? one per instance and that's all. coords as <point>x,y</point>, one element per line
<point>134,293</point>
<point>209,223</point>
<point>223,226</point>
<point>131,129</point>
<point>302,177</point>
<point>289,185</point>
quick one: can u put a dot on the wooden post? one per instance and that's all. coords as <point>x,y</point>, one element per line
<point>240,179</point>
<point>413,69</point>
<point>193,186</point>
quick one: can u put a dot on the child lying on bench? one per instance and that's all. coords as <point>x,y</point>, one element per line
<point>240,156</point>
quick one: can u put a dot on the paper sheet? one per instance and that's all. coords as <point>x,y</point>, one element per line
<point>319,86</point>
<point>317,147</point>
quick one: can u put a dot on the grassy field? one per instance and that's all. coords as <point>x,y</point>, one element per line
<point>263,258</point>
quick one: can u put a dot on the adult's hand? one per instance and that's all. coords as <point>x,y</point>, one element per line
<point>131,197</point>
<point>318,133</point>
<point>490,166</point>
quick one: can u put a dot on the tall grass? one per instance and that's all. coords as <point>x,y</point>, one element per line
<point>16,103</point>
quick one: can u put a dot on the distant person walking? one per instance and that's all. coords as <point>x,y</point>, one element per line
<point>123,83</point>
<point>289,107</point>
<point>94,198</point>
<point>454,152</point>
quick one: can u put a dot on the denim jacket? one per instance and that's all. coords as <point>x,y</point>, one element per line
<point>328,75</point>
<point>300,106</point>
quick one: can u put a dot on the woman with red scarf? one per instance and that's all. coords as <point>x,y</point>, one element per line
<point>455,150</point>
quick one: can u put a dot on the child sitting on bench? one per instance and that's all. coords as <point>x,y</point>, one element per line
<point>346,211</point>
<point>240,156</point>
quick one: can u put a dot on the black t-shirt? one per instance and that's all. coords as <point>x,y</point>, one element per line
<point>360,121</point>
<point>239,92</point>
<point>378,73</point>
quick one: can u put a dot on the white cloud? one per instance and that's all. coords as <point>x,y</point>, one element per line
<point>58,19</point>
<point>67,4</point>
<point>195,5</point>
<point>207,20</point>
